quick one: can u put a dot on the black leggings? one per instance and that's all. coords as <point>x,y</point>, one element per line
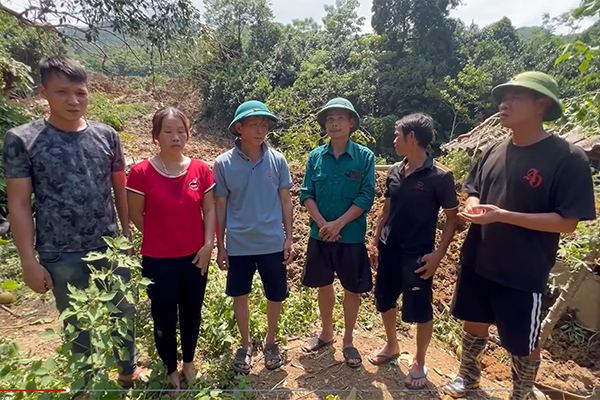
<point>176,282</point>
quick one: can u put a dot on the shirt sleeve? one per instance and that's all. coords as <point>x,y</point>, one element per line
<point>388,179</point>
<point>136,181</point>
<point>285,177</point>
<point>118,161</point>
<point>307,190</point>
<point>366,193</point>
<point>473,183</point>
<point>446,192</point>
<point>15,157</point>
<point>574,190</point>
<point>220,183</point>
<point>208,182</point>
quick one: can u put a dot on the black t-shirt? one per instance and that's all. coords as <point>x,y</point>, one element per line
<point>549,176</point>
<point>415,202</point>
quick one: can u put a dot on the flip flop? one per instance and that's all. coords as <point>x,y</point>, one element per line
<point>349,354</point>
<point>272,353</point>
<point>315,343</point>
<point>382,358</point>
<point>240,359</point>
<point>415,378</point>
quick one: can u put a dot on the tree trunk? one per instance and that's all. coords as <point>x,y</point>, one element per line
<point>560,305</point>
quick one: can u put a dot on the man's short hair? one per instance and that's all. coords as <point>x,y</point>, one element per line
<point>419,123</point>
<point>62,65</point>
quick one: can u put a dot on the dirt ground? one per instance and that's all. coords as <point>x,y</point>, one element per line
<point>566,366</point>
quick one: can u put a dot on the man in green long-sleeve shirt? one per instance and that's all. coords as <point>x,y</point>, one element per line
<point>338,190</point>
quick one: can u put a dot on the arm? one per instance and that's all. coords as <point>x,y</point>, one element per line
<point>381,220</point>
<point>221,213</point>
<point>210,217</point>
<point>121,200</point>
<point>286,209</point>
<point>544,222</point>
<point>135,202</point>
<point>447,232</point>
<point>19,191</point>
<point>307,196</point>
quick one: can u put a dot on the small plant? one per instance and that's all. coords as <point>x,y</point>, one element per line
<point>460,163</point>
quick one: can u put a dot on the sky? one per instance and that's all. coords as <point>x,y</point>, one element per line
<point>482,12</point>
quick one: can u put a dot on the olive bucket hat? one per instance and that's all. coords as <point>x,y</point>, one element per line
<point>252,108</point>
<point>338,103</point>
<point>538,82</point>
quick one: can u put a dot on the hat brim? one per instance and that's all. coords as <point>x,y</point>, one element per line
<point>553,112</point>
<point>273,120</point>
<point>322,115</point>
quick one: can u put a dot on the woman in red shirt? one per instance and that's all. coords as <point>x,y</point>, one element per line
<point>171,202</point>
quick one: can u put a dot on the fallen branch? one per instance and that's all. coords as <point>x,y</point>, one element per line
<point>8,310</point>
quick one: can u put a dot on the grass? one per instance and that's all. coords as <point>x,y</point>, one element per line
<point>103,109</point>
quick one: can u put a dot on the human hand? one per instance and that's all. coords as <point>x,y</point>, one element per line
<point>202,259</point>
<point>222,259</point>
<point>330,231</point>
<point>432,262</point>
<point>374,257</point>
<point>482,214</point>
<point>288,252</point>
<point>36,276</point>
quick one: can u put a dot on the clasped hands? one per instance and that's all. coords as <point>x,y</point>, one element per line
<point>330,231</point>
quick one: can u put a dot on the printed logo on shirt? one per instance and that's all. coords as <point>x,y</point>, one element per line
<point>420,185</point>
<point>193,185</point>
<point>269,174</point>
<point>533,177</point>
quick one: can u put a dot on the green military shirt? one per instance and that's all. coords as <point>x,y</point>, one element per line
<point>336,184</point>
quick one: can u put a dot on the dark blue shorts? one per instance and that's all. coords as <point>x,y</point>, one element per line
<point>396,276</point>
<point>272,270</point>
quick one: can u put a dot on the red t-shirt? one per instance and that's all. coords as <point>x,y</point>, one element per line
<point>173,222</point>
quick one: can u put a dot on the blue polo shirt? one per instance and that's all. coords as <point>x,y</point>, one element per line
<point>254,223</point>
<point>335,184</point>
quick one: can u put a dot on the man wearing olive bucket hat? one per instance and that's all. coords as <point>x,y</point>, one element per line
<point>338,190</point>
<point>254,212</point>
<point>523,193</point>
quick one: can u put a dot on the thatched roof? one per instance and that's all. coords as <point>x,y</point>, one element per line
<point>490,131</point>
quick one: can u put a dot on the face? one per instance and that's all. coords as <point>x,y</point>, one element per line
<point>338,124</point>
<point>173,135</point>
<point>521,105</point>
<point>404,144</point>
<point>67,100</point>
<point>253,130</point>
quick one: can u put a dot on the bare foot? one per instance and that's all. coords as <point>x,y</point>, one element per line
<point>384,355</point>
<point>174,378</point>
<point>189,373</point>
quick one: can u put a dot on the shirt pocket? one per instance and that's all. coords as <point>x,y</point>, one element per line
<point>318,179</point>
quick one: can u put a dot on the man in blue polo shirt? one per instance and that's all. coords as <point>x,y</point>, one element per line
<point>254,212</point>
<point>338,190</point>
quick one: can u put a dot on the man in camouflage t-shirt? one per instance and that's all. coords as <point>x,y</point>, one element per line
<point>70,165</point>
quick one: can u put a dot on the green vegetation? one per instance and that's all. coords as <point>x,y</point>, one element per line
<point>101,109</point>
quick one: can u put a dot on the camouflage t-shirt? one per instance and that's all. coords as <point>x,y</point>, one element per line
<point>71,177</point>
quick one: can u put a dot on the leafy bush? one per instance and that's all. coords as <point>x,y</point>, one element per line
<point>460,163</point>
<point>116,115</point>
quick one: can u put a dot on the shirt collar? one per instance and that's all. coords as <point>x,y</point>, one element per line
<point>350,149</point>
<point>238,148</point>
<point>428,164</point>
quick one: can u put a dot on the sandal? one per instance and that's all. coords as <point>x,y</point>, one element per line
<point>379,358</point>
<point>315,343</point>
<point>411,378</point>
<point>352,353</point>
<point>239,363</point>
<point>273,358</point>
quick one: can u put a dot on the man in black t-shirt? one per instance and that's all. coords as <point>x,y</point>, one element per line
<point>403,244</point>
<point>523,193</point>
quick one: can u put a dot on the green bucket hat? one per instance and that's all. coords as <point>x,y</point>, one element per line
<point>538,82</point>
<point>252,108</point>
<point>338,103</point>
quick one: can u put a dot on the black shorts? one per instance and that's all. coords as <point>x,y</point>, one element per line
<point>396,275</point>
<point>272,270</point>
<point>516,313</point>
<point>350,261</point>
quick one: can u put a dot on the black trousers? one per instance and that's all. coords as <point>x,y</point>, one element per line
<point>177,284</point>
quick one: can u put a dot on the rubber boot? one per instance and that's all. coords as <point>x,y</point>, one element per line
<point>470,367</point>
<point>524,372</point>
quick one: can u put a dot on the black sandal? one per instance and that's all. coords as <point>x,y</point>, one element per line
<point>352,353</point>
<point>239,363</point>
<point>273,359</point>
